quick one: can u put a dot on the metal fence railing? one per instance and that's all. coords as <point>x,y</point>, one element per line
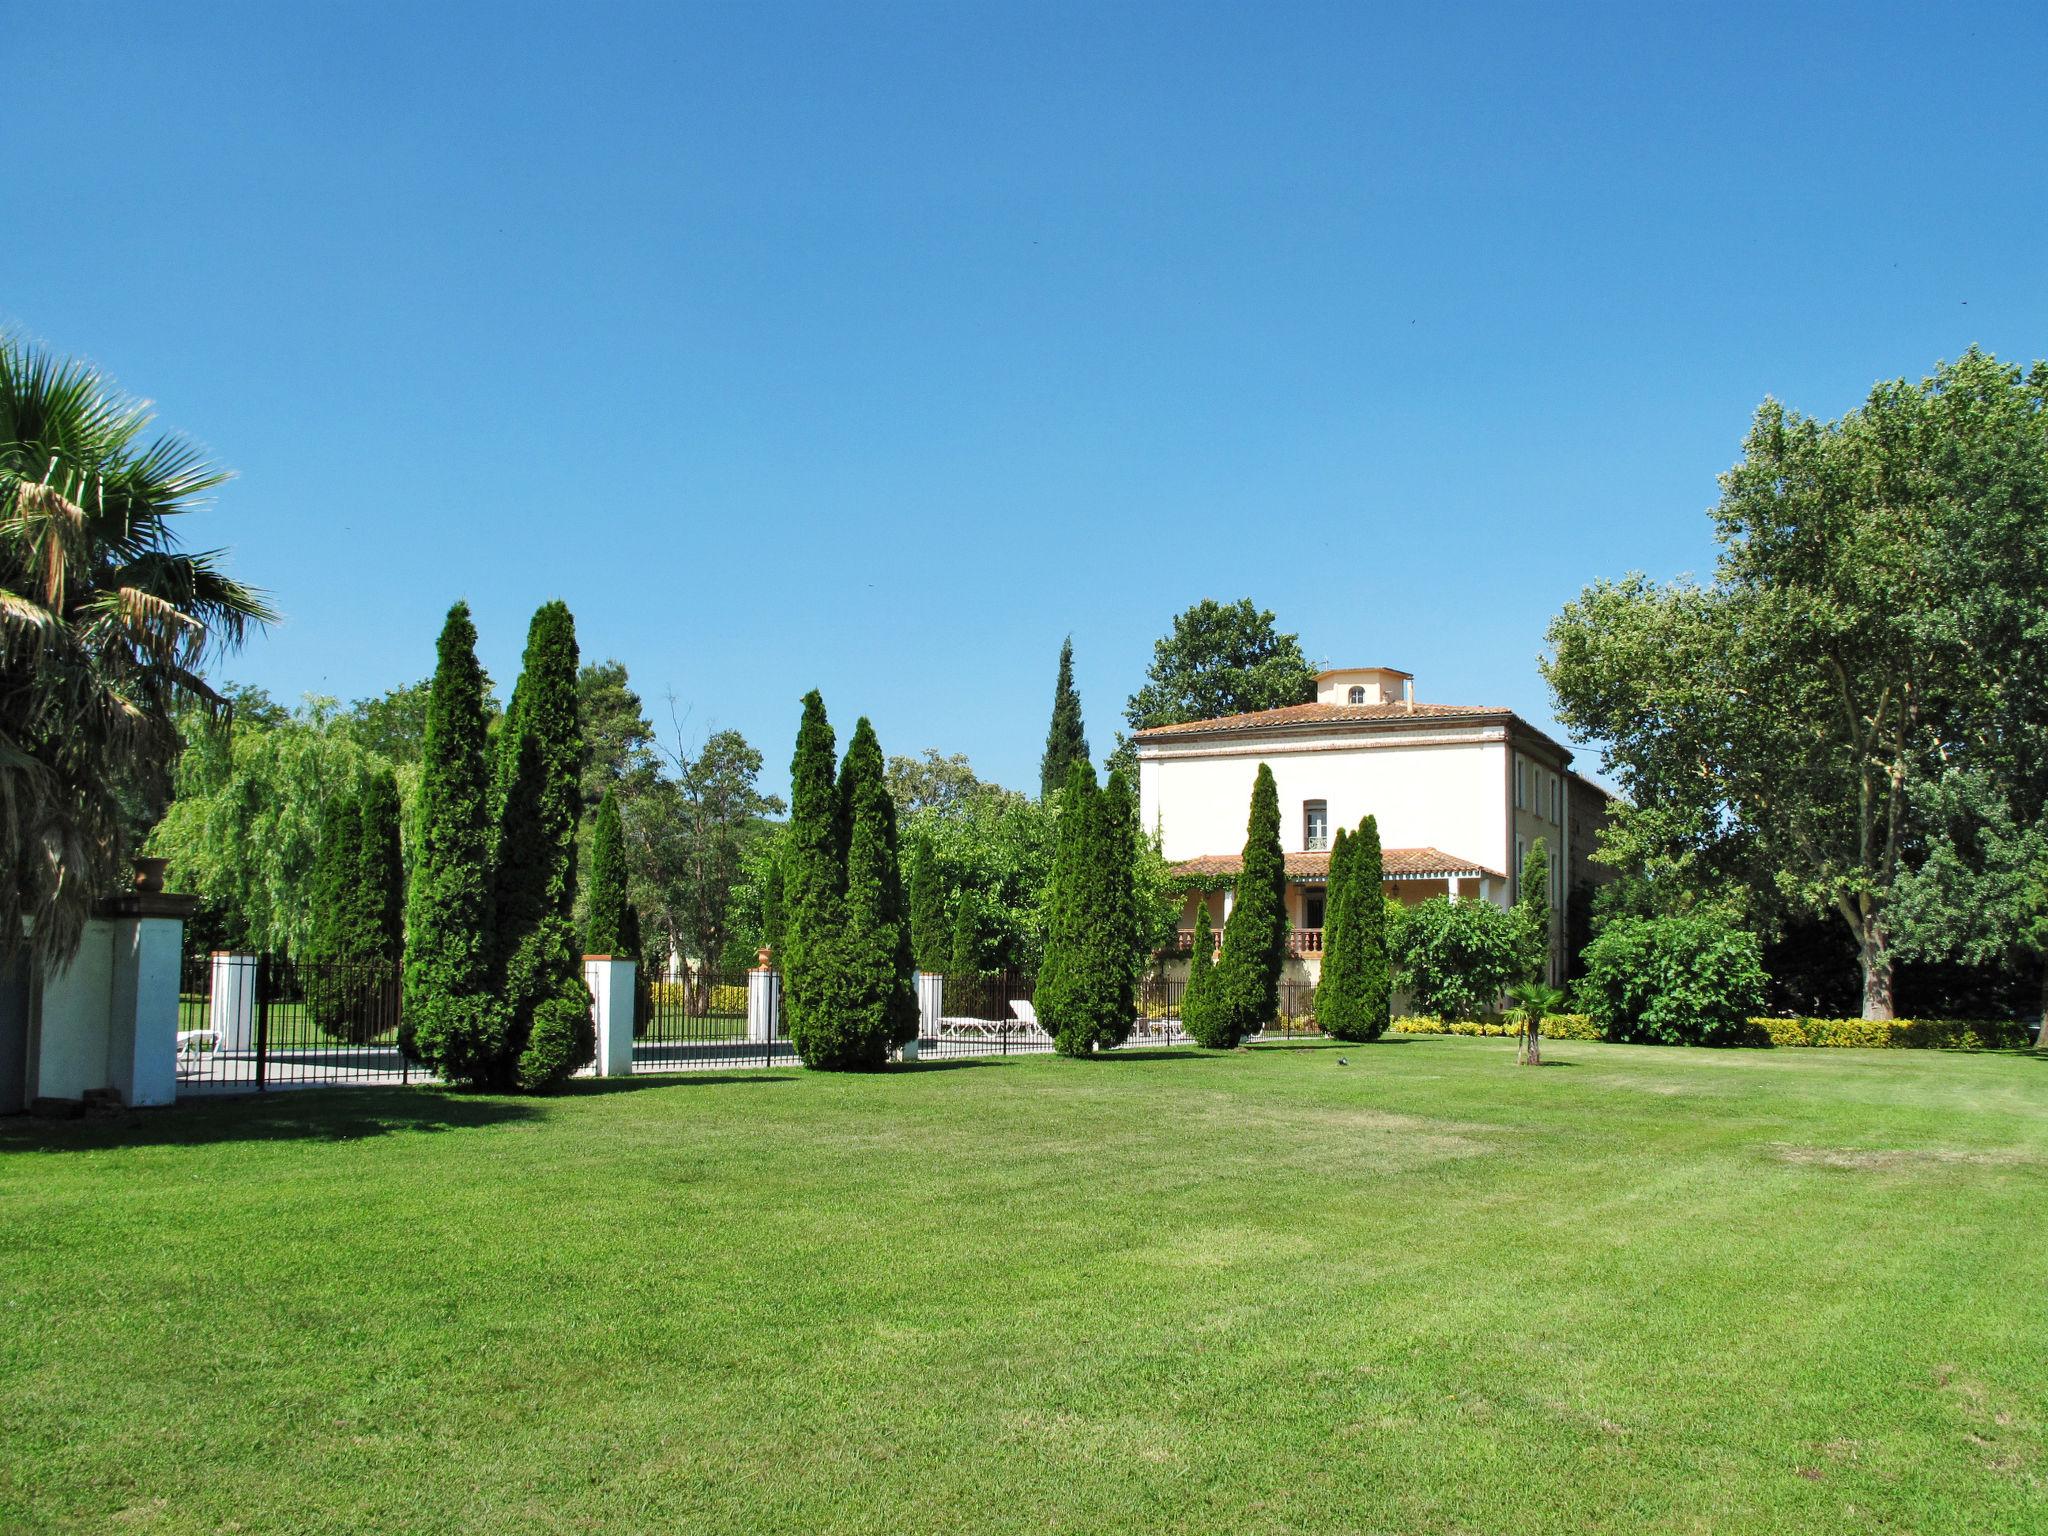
<point>251,1022</point>
<point>700,1021</point>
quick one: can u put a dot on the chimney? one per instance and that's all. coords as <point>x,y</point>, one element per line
<point>1408,694</point>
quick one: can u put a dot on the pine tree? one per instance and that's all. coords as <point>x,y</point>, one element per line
<point>1197,1005</point>
<point>1532,907</point>
<point>1066,743</point>
<point>1375,980</point>
<point>452,1020</point>
<point>605,921</point>
<point>880,1000</point>
<point>1337,994</point>
<point>1247,979</point>
<point>549,1033</point>
<point>813,865</point>
<point>931,937</point>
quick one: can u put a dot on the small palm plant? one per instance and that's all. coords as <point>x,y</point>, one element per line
<point>1533,1000</point>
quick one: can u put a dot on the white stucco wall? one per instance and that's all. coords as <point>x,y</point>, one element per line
<point>1448,792</point>
<point>70,1011</point>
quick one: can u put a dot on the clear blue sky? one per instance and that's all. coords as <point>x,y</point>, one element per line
<point>875,348</point>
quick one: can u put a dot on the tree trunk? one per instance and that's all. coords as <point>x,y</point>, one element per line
<point>1531,1054</point>
<point>1877,975</point>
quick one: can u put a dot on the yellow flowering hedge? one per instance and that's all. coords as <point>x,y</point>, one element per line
<point>726,997</point>
<point>1864,1034</point>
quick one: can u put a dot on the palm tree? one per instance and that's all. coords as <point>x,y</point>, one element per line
<point>1534,1001</point>
<point>103,627</point>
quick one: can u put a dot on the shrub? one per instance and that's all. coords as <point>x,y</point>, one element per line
<point>1556,1026</point>
<point>1895,1034</point>
<point>1457,957</point>
<point>1688,980</point>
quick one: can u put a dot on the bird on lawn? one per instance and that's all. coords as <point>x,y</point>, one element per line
<point>1343,1061</point>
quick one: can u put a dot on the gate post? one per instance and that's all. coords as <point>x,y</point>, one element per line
<point>142,1040</point>
<point>612,991</point>
<point>764,1005</point>
<point>231,1014</point>
<point>931,1003</point>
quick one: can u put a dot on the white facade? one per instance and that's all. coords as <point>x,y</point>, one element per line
<point>1460,792</point>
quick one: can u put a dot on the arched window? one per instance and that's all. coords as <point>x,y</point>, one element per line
<point>1357,694</point>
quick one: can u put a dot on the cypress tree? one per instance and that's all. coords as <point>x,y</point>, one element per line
<point>329,882</point>
<point>1368,900</point>
<point>548,1032</point>
<point>1086,986</point>
<point>1532,906</point>
<point>966,958</point>
<point>452,1020</point>
<point>380,874</point>
<point>880,1006</point>
<point>1247,979</point>
<point>605,922</point>
<point>813,868</point>
<point>772,908</point>
<point>1066,743</point>
<point>931,938</point>
<point>1197,1005</point>
<point>1337,992</point>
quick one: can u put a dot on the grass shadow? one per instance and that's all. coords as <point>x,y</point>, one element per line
<point>309,1114</point>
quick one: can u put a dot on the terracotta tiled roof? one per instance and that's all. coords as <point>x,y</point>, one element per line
<point>1399,864</point>
<point>1322,714</point>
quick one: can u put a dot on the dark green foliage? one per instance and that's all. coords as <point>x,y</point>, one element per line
<point>772,909</point>
<point>1532,906</point>
<point>1458,957</point>
<point>605,924</point>
<point>813,866</point>
<point>379,897</point>
<point>1369,914</point>
<point>452,1020</point>
<point>1247,979</point>
<point>1086,987</point>
<point>1197,1001</point>
<point>1337,1000</point>
<point>973,952</point>
<point>1066,742</point>
<point>931,936</point>
<point>1353,997</point>
<point>1221,659</point>
<point>332,876</point>
<point>879,1007</point>
<point>548,1031</point>
<point>1690,980</point>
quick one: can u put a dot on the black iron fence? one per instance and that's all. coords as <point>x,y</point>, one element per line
<point>251,1022</point>
<point>703,1021</point>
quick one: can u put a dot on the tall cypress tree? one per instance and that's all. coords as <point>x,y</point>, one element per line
<point>452,1020</point>
<point>1086,986</point>
<point>380,873</point>
<point>813,865</point>
<point>1066,743</point>
<point>1337,995</point>
<point>880,1008</point>
<point>1369,916</point>
<point>330,882</point>
<point>931,937</point>
<point>967,958</point>
<point>1532,906</point>
<point>604,931</point>
<point>1123,937</point>
<point>549,1033</point>
<point>1247,979</point>
<point>1197,1004</point>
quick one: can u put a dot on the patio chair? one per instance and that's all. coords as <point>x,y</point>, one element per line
<point>189,1040</point>
<point>1026,1014</point>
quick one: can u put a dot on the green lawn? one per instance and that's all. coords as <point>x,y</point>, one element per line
<point>1638,1289</point>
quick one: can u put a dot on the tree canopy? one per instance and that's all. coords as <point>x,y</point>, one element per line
<point>1221,659</point>
<point>1852,718</point>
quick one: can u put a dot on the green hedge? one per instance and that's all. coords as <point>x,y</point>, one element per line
<point>1858,1034</point>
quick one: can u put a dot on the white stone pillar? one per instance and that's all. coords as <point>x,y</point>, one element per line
<point>931,1004</point>
<point>231,1014</point>
<point>764,1005</point>
<point>611,982</point>
<point>142,1022</point>
<point>1452,886</point>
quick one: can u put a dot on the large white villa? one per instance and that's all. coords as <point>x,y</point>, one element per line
<point>1462,791</point>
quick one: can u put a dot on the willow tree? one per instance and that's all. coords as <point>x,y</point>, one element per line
<point>104,624</point>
